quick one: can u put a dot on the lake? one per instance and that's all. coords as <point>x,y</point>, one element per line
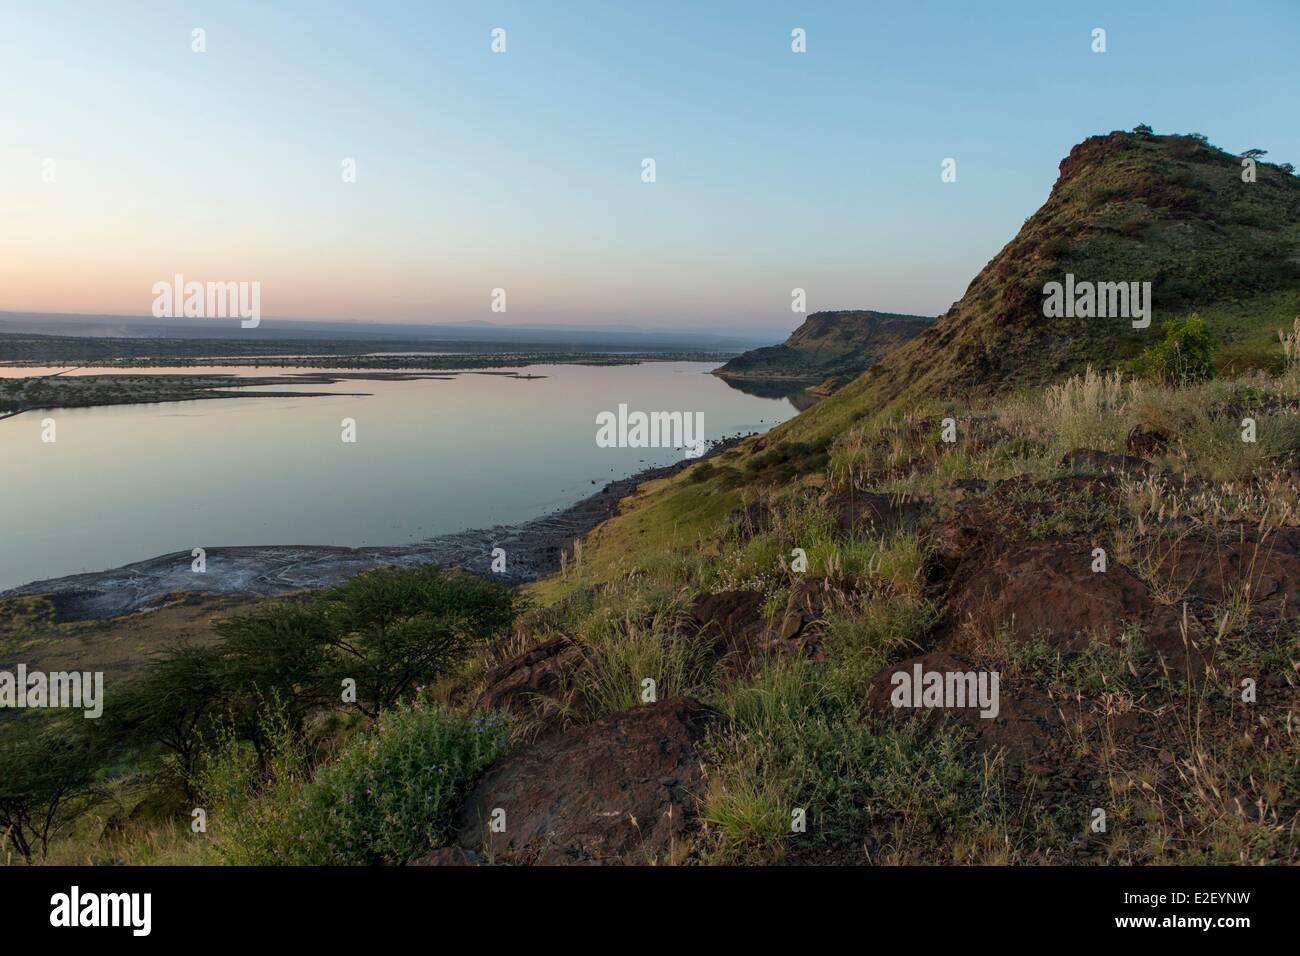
<point>128,482</point>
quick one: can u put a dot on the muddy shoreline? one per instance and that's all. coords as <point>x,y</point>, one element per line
<point>532,551</point>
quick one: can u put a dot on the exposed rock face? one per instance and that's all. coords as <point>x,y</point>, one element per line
<point>1164,207</point>
<point>1047,590</point>
<point>619,790</point>
<point>1026,724</point>
<point>527,685</point>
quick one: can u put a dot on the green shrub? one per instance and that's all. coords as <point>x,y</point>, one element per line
<point>1055,248</point>
<point>388,797</point>
<point>390,629</point>
<point>255,800</point>
<point>862,639</point>
<point>787,743</point>
<point>1185,356</point>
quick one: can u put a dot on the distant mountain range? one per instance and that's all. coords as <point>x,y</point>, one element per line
<point>479,331</point>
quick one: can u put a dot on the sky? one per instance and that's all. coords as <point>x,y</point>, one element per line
<point>522,170</point>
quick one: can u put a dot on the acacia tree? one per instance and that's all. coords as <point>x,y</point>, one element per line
<point>276,655</point>
<point>388,630</point>
<point>45,767</point>
<point>393,629</point>
<point>169,704</point>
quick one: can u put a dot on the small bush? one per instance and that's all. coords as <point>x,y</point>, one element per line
<point>747,806</point>
<point>387,798</point>
<point>390,796</point>
<point>1055,248</point>
<point>1185,356</point>
<point>255,800</point>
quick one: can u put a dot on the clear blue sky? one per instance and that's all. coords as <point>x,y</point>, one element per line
<point>522,170</point>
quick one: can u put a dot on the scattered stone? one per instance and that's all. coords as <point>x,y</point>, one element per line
<point>865,512</point>
<point>1144,444</point>
<point>1089,459</point>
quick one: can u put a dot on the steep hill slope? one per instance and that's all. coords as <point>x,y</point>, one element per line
<point>837,345</point>
<point>1126,207</point>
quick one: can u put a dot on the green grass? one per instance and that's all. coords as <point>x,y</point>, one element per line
<point>793,736</point>
<point>627,649</point>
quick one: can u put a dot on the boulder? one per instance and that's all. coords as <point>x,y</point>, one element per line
<point>1262,571</point>
<point>732,620</point>
<point>619,790</point>
<point>741,636</point>
<point>1047,590</point>
<point>1026,724</point>
<point>1143,443</point>
<point>526,685</point>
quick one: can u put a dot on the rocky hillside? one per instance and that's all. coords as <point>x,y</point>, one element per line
<point>1126,207</point>
<point>973,608</point>
<point>836,346</point>
<point>1170,210</point>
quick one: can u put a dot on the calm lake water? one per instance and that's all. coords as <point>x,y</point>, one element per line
<point>130,482</point>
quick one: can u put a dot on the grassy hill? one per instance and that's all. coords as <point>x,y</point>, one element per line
<point>838,346</point>
<point>1000,497</point>
<point>1171,210</point>
<point>980,555</point>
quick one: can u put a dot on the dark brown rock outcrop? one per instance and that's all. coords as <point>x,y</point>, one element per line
<point>527,685</point>
<point>619,790</point>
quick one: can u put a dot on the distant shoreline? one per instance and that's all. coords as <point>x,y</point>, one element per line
<point>135,387</point>
<point>137,384</point>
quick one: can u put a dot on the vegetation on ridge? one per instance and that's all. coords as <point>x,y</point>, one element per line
<point>946,510</point>
<point>829,347</point>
